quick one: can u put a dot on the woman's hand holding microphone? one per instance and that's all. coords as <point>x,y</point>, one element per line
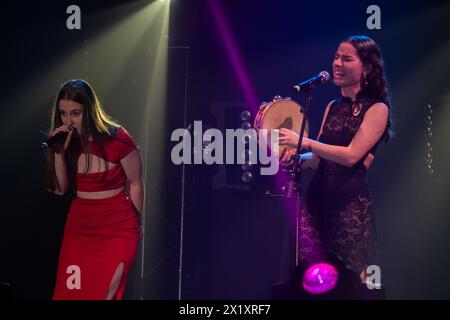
<point>69,129</point>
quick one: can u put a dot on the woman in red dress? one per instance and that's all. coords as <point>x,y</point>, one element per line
<point>102,230</point>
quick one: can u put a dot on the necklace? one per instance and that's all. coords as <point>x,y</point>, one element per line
<point>356,109</point>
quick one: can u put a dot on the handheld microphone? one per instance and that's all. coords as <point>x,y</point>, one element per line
<point>322,77</point>
<point>59,137</point>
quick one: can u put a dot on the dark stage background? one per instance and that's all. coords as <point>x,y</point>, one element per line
<point>215,59</point>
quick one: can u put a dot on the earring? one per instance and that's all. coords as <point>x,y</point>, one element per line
<point>365,79</point>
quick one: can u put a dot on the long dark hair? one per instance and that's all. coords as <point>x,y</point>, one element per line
<point>95,123</point>
<point>374,84</point>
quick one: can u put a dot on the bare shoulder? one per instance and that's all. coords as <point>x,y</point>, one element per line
<point>377,116</point>
<point>327,109</point>
<point>378,109</point>
<point>330,103</point>
<point>325,115</point>
<point>380,105</point>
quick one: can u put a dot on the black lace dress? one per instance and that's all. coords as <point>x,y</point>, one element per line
<point>337,218</point>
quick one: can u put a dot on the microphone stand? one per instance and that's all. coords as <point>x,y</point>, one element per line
<point>295,175</point>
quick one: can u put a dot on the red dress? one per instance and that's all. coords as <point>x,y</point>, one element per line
<point>100,234</point>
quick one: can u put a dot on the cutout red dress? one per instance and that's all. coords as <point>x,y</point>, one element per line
<point>99,234</point>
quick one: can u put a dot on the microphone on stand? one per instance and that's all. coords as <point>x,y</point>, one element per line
<point>321,78</point>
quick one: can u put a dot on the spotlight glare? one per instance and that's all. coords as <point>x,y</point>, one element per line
<point>320,278</point>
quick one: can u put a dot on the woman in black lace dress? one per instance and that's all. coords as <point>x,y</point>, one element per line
<point>338,215</point>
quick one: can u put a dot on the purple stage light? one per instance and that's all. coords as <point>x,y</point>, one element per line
<point>234,55</point>
<point>320,278</point>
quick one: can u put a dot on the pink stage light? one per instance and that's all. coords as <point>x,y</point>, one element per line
<point>320,278</point>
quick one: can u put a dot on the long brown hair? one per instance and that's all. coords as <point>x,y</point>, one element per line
<point>95,123</point>
<point>374,84</point>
